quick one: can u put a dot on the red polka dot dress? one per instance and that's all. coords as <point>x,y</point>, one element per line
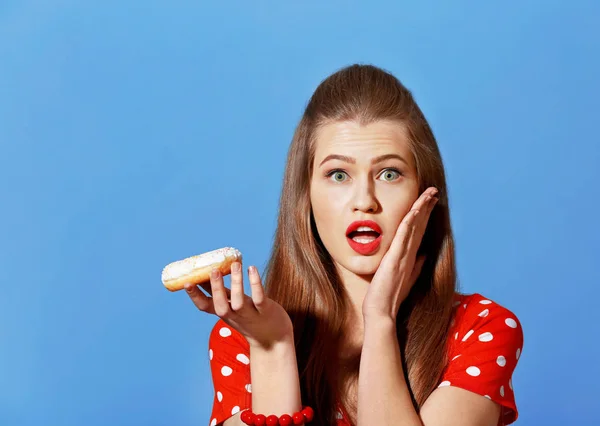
<point>484,347</point>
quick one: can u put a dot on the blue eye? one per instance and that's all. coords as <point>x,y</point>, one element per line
<point>337,175</point>
<point>390,175</point>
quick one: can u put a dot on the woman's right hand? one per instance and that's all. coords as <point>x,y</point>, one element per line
<point>262,321</point>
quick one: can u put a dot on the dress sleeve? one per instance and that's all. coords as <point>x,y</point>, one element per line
<point>485,345</point>
<point>229,357</point>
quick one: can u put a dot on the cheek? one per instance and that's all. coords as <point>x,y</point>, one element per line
<point>399,206</point>
<point>321,205</point>
<point>326,208</point>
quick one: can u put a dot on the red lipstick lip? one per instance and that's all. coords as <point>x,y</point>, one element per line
<point>364,249</point>
<point>357,224</point>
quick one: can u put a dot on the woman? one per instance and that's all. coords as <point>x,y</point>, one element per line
<point>361,279</point>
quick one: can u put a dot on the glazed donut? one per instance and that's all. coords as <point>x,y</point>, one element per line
<point>196,269</point>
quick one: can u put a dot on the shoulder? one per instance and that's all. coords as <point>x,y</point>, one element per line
<point>226,339</point>
<point>485,344</point>
<point>476,313</point>
<point>229,357</point>
<point>222,330</point>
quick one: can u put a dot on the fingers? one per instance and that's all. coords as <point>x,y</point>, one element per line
<point>219,295</point>
<point>414,223</point>
<point>208,289</point>
<point>429,202</point>
<point>258,294</point>
<point>426,197</point>
<point>202,302</point>
<point>426,204</point>
<point>401,239</point>
<point>237,287</point>
<point>224,302</point>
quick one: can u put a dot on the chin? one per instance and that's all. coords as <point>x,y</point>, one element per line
<point>363,265</point>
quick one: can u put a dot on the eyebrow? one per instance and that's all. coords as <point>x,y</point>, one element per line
<point>351,160</point>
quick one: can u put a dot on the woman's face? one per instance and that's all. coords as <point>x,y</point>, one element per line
<point>361,173</point>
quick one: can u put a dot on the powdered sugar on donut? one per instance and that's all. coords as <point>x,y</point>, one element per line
<point>187,266</point>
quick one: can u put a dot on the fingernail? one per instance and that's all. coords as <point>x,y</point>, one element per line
<point>251,270</point>
<point>235,267</point>
<point>214,273</point>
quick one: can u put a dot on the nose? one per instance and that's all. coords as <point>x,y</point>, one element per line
<point>364,198</point>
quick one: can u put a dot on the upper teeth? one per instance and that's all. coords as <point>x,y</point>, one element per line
<point>365,229</point>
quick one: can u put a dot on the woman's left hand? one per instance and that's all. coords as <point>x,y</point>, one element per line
<point>399,267</point>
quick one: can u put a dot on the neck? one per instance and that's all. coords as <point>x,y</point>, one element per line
<point>356,287</point>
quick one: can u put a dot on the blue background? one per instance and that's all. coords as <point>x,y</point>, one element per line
<point>135,134</point>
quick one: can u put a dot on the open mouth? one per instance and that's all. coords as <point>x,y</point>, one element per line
<point>364,237</point>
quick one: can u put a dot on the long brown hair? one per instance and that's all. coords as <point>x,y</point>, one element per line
<point>300,274</point>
